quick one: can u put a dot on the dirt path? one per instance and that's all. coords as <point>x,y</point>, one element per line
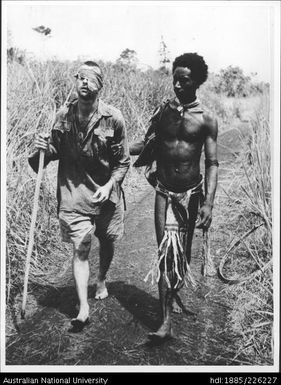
<point>117,334</point>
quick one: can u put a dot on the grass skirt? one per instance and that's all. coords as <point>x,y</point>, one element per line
<point>172,258</point>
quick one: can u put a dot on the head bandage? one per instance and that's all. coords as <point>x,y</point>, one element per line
<point>93,75</point>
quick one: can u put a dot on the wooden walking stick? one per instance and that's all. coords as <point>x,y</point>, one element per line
<point>208,268</point>
<point>33,220</point>
<point>32,229</point>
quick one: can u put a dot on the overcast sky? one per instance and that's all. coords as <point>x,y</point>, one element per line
<point>224,32</point>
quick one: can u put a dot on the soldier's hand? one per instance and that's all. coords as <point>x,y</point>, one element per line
<point>205,217</point>
<point>42,142</point>
<point>103,193</point>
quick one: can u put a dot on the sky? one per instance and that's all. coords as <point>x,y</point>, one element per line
<point>223,32</point>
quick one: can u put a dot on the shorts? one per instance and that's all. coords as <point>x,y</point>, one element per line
<point>78,228</point>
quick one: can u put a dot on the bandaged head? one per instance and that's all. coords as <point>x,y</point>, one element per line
<point>93,74</point>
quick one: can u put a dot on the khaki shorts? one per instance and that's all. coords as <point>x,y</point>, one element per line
<point>78,228</point>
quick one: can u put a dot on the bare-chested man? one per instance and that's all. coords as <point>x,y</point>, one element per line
<point>171,150</point>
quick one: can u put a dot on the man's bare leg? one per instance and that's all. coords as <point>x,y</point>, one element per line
<point>81,274</point>
<point>165,295</point>
<point>175,306</point>
<point>106,255</point>
<point>193,209</point>
<point>160,215</point>
<point>166,298</point>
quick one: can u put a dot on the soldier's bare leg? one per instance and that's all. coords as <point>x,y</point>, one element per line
<point>81,277</point>
<point>106,255</point>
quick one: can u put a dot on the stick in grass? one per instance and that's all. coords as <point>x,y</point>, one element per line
<point>32,229</point>
<point>208,267</point>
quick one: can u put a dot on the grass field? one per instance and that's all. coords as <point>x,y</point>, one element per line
<point>36,90</point>
<point>245,203</point>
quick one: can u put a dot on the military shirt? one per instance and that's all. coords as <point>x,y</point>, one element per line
<point>86,162</point>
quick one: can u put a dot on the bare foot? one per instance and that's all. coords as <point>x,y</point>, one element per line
<point>175,307</point>
<point>83,314</point>
<point>101,292</point>
<point>162,334</point>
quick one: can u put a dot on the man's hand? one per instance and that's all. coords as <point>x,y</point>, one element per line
<point>103,193</point>
<point>205,217</point>
<point>42,142</point>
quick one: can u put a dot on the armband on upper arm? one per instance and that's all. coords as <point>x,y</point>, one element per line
<point>209,163</point>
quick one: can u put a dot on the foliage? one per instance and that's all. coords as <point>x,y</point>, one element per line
<point>45,31</point>
<point>128,57</point>
<point>164,54</point>
<point>234,83</point>
<point>31,108</point>
<point>15,54</point>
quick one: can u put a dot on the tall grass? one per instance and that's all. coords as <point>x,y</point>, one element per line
<point>136,94</point>
<point>247,203</point>
<point>31,109</point>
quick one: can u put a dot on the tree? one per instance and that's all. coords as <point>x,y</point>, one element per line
<point>164,55</point>
<point>233,82</point>
<point>43,30</point>
<point>14,53</point>
<point>128,57</point>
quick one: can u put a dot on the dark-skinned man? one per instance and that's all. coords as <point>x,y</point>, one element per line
<point>171,151</point>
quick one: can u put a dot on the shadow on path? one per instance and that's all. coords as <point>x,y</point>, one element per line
<point>142,306</point>
<point>139,303</point>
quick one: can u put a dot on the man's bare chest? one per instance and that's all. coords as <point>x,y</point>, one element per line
<point>188,128</point>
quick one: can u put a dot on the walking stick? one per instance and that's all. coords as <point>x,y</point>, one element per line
<point>208,268</point>
<point>33,221</point>
<point>32,229</point>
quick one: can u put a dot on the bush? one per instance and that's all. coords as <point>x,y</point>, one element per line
<point>232,82</point>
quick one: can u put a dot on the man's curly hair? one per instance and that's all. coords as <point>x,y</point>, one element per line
<point>196,64</point>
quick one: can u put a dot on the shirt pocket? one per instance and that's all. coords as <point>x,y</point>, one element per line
<point>104,138</point>
<point>104,132</point>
